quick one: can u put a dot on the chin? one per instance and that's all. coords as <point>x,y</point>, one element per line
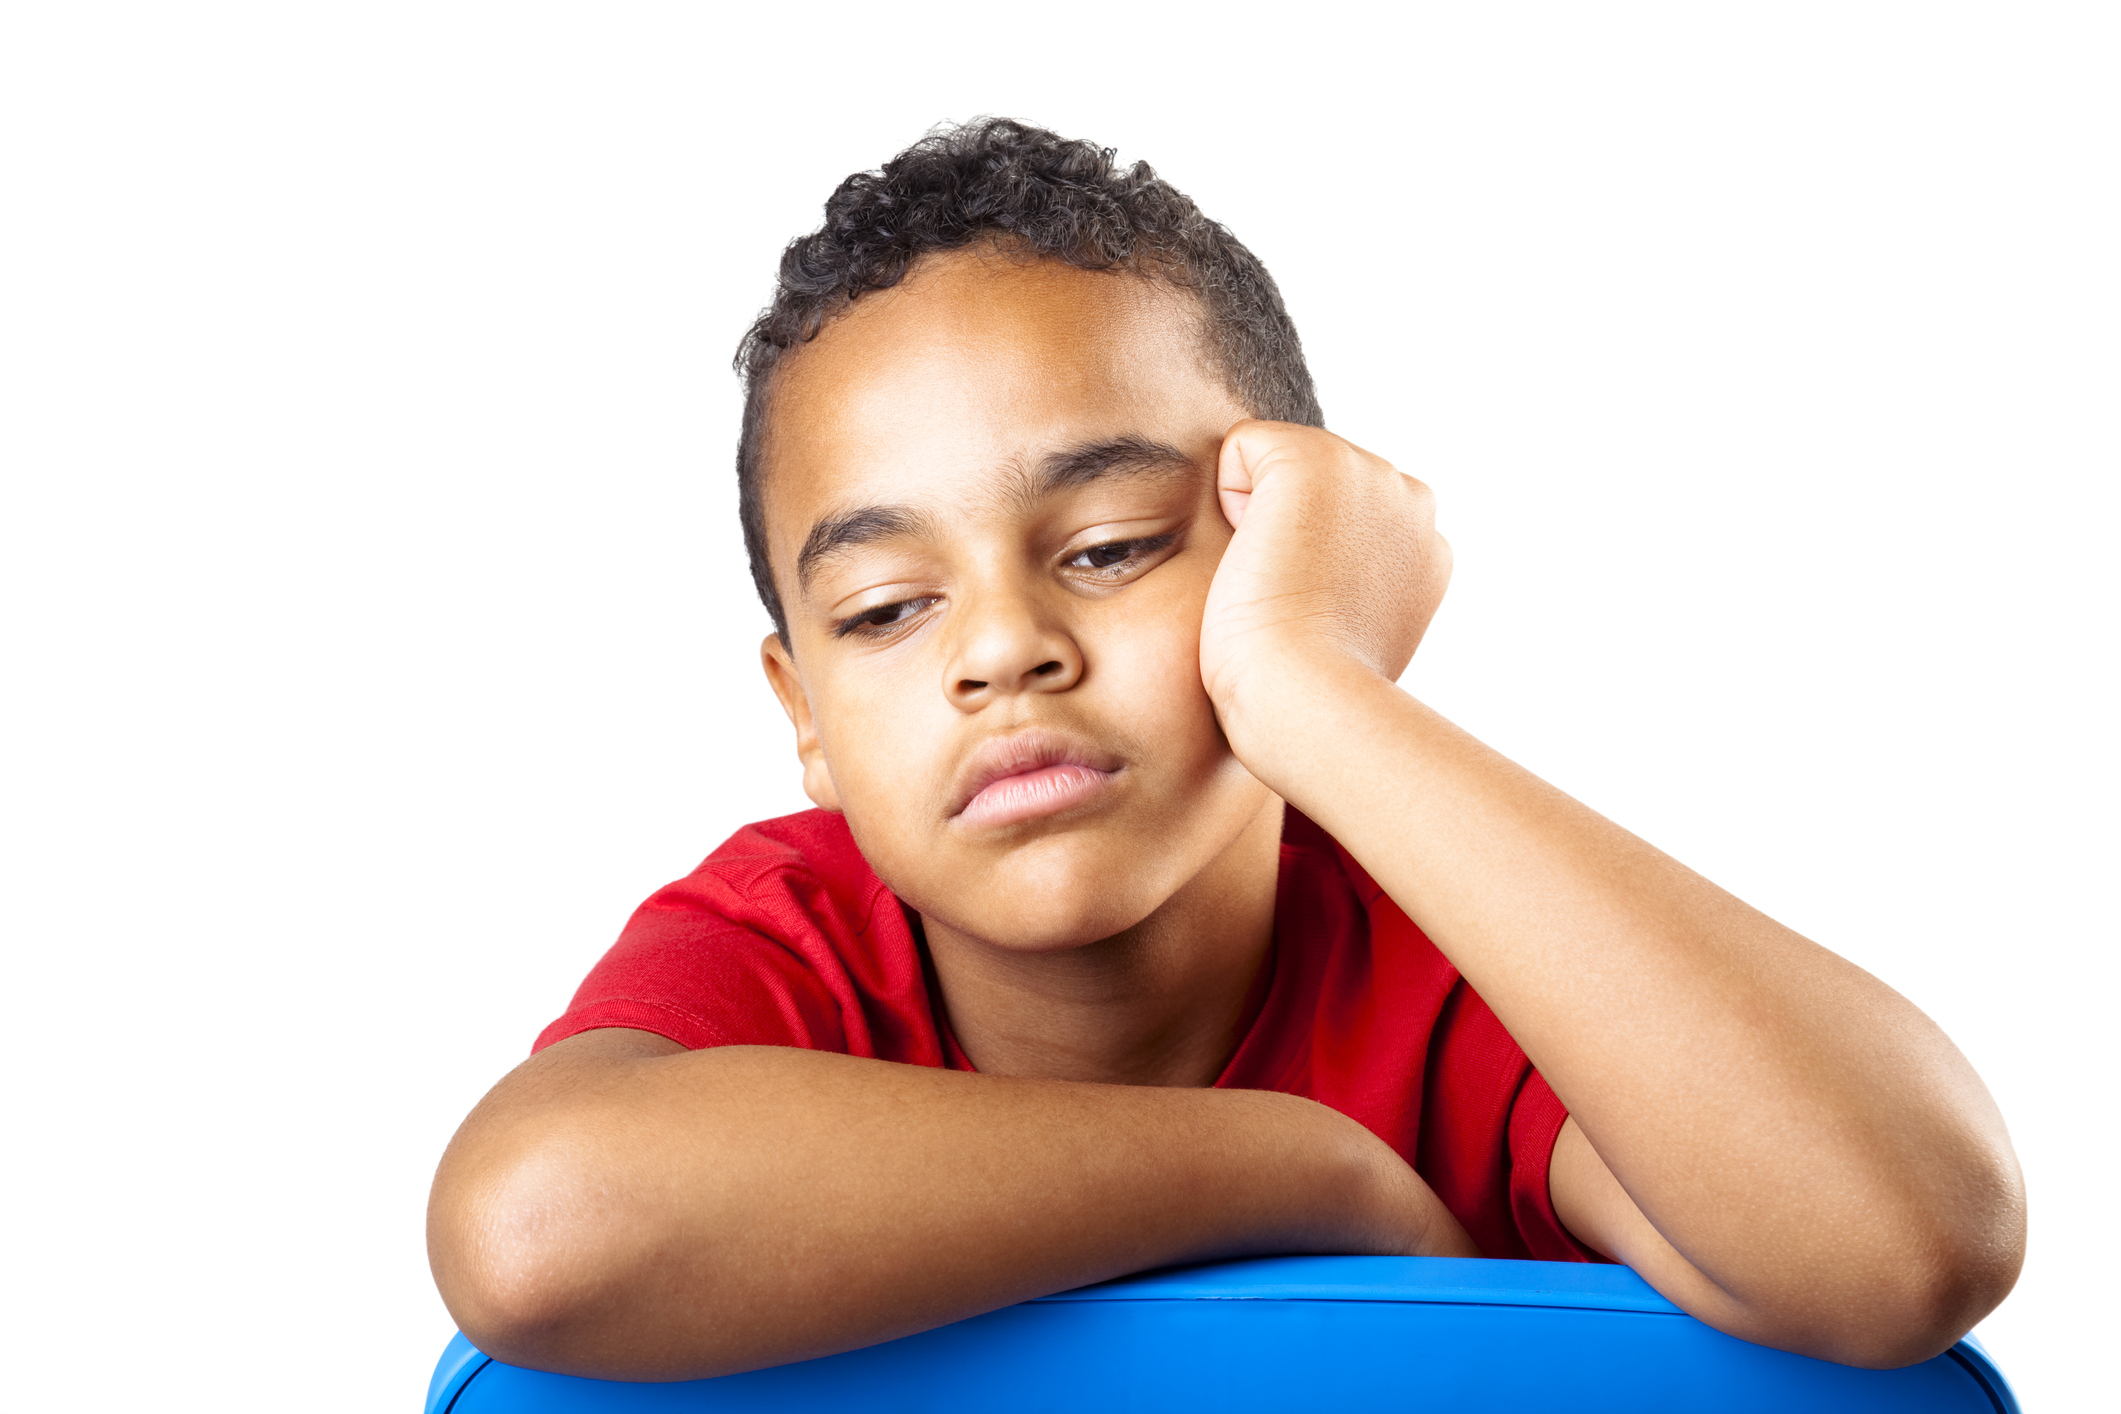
<point>1056,929</point>
<point>1044,899</point>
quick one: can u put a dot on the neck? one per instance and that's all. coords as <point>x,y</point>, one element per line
<point>1163,1003</point>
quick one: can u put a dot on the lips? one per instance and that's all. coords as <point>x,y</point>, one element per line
<point>1029,775</point>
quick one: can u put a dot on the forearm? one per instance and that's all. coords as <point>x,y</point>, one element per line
<point>1799,1135</point>
<point>676,1215</point>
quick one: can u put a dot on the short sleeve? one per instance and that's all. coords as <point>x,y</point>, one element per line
<point>782,937</point>
<point>1535,1124</point>
<point>1489,1122</point>
<point>702,983</point>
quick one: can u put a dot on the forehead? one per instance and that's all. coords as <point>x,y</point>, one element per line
<point>973,368</point>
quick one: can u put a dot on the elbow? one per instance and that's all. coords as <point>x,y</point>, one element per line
<point>1916,1297</point>
<point>511,1307</point>
<point>501,1262</point>
<point>1965,1279</point>
<point>531,1266</point>
<point>514,1317</point>
<point>1917,1318</point>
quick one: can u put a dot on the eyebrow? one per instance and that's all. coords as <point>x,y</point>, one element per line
<point>859,527</point>
<point>1064,470</point>
<point>1121,456</point>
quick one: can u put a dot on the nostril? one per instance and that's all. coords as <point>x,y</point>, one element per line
<point>968,685</point>
<point>1043,669</point>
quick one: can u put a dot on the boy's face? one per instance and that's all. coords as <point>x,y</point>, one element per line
<point>990,503</point>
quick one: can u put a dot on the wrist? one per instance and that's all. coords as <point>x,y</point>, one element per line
<point>1360,1197</point>
<point>1277,708</point>
<point>1292,1175</point>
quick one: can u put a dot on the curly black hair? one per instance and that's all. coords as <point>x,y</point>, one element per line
<point>996,179</point>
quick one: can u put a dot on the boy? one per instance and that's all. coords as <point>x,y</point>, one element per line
<point>1144,919</point>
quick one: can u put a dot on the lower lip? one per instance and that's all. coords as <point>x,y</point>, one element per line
<point>1046,791</point>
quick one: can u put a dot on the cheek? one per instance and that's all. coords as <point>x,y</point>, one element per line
<point>1148,677</point>
<point>881,736</point>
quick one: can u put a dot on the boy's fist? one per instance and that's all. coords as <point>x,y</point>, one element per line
<point>1335,556</point>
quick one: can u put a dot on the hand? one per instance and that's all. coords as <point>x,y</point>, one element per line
<point>1402,1215</point>
<point>1335,555</point>
<point>1349,1191</point>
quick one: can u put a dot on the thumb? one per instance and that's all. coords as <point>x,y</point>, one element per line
<point>1237,468</point>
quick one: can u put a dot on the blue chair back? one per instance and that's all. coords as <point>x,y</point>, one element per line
<point>1415,1334</point>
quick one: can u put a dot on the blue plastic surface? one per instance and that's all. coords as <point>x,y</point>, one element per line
<point>1288,1333</point>
<point>460,1361</point>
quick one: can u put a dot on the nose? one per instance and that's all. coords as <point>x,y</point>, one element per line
<point>1005,647</point>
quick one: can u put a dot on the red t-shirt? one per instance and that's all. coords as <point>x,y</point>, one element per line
<point>785,937</point>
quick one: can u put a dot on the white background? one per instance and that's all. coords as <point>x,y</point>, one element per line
<point>377,632</point>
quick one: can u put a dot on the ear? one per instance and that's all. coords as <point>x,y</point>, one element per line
<point>788,686</point>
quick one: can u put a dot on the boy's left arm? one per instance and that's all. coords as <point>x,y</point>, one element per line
<point>1776,1140</point>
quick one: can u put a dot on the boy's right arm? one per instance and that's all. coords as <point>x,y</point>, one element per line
<point>621,1207</point>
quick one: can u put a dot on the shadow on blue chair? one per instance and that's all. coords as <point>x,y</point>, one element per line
<point>1287,1333</point>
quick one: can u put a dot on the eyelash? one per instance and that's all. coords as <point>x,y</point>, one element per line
<point>1145,545</point>
<point>871,623</point>
<point>884,618</point>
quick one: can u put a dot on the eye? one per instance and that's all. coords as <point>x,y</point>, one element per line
<point>877,622</point>
<point>1119,554</point>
